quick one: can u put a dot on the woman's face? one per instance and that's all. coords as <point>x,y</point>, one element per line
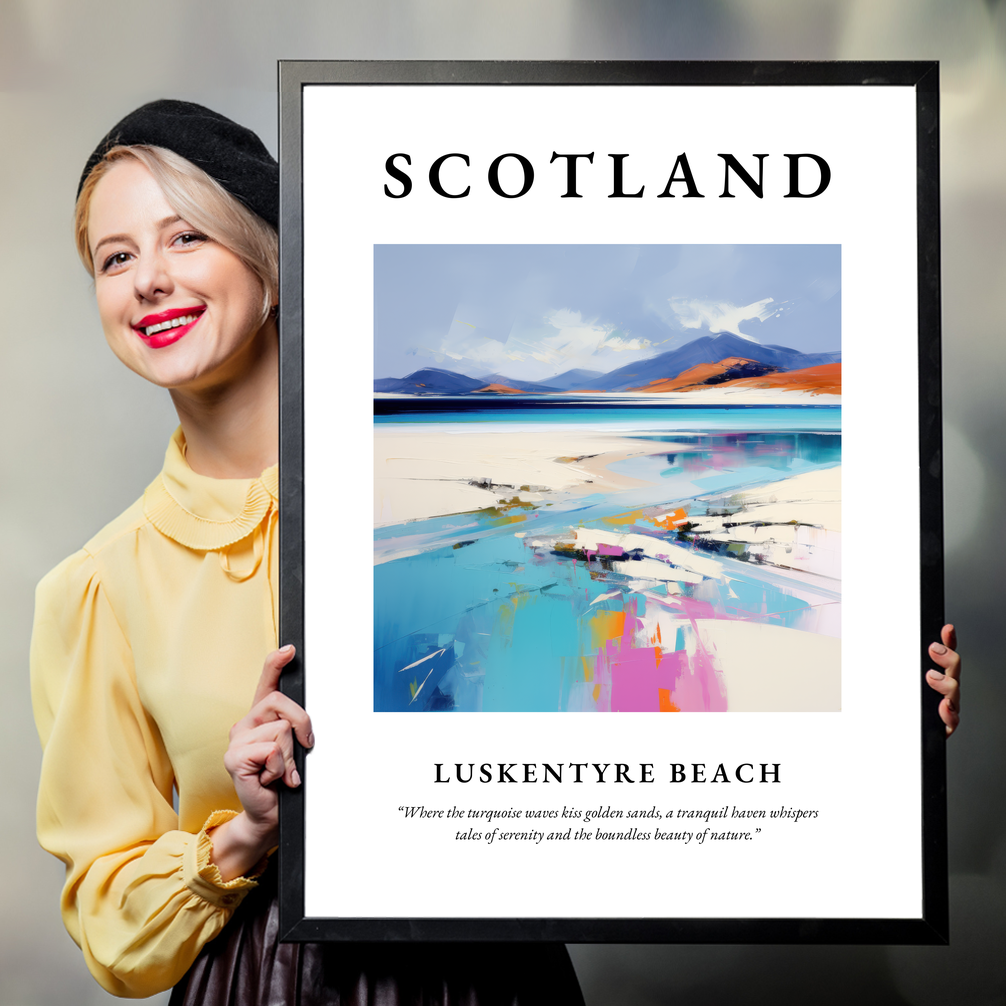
<point>177,308</point>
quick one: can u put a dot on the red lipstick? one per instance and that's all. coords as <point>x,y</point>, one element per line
<point>166,328</point>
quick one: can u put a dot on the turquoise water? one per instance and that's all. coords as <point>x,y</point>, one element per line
<point>667,417</point>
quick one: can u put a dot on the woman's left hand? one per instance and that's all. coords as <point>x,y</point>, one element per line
<point>948,681</point>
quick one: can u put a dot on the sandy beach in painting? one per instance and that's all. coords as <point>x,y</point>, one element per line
<point>421,473</point>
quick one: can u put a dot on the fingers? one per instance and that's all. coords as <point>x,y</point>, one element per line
<point>271,671</point>
<point>949,688</point>
<point>947,680</point>
<point>950,716</point>
<point>949,636</point>
<point>265,751</point>
<point>270,703</point>
<point>277,706</point>
<point>262,761</point>
<point>944,653</point>
<point>948,660</point>
<point>948,710</point>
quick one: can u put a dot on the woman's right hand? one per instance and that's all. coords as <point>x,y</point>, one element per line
<point>260,753</point>
<point>948,681</point>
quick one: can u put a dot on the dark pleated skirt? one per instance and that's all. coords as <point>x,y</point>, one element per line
<point>246,965</point>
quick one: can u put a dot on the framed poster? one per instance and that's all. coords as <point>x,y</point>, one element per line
<point>611,501</point>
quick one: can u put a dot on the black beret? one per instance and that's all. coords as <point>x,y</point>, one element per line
<point>231,154</point>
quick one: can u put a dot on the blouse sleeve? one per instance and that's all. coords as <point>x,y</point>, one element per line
<point>141,898</point>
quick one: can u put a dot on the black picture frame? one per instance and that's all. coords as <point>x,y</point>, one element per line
<point>932,925</point>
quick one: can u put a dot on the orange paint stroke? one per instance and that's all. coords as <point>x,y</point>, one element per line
<point>696,376</point>
<point>823,380</point>
<point>667,521</point>
<point>666,705</point>
<point>605,625</point>
<point>499,389</point>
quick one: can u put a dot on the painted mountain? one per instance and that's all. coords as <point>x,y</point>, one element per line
<point>708,349</point>
<point>574,380</point>
<point>723,360</point>
<point>430,381</point>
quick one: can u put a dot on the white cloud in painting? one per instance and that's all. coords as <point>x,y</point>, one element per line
<point>719,316</point>
<point>562,340</point>
<point>619,345</point>
<point>576,338</point>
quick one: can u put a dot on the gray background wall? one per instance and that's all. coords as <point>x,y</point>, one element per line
<point>82,436</point>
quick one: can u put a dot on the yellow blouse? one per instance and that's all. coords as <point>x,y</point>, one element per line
<point>147,647</point>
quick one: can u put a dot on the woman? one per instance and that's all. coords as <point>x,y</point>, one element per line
<point>148,643</point>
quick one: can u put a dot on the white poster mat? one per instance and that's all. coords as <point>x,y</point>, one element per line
<point>861,856</point>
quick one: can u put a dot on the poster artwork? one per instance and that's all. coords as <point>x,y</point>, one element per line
<point>617,370</point>
<point>609,480</point>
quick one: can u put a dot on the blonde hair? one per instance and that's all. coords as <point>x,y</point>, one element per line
<point>199,200</point>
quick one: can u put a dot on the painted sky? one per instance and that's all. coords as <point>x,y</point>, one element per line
<point>530,312</point>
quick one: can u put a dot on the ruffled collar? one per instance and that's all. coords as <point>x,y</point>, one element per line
<point>203,513</point>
